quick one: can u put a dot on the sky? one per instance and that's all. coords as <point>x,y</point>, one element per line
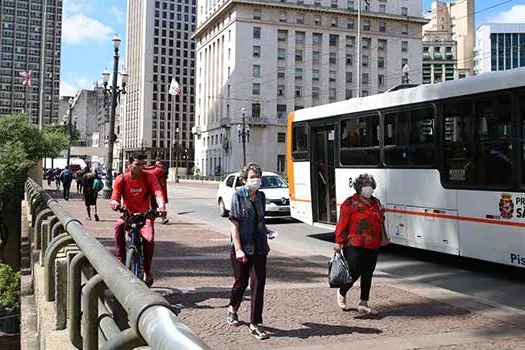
<point>89,25</point>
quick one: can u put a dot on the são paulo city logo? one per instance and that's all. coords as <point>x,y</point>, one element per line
<point>506,206</point>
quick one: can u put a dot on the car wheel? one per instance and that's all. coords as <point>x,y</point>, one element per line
<point>222,209</point>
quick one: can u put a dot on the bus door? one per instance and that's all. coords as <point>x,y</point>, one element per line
<point>323,170</point>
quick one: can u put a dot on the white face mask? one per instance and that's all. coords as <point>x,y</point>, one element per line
<point>367,191</point>
<point>253,183</point>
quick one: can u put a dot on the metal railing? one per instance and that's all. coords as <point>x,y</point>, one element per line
<point>114,306</point>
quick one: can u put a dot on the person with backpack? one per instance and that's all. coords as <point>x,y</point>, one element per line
<point>92,185</point>
<point>66,176</point>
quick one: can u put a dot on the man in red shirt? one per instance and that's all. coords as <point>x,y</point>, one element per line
<point>135,189</point>
<point>160,174</point>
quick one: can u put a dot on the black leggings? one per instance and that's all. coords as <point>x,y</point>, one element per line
<point>362,262</point>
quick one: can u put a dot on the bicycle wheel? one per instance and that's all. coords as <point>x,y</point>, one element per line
<point>133,262</point>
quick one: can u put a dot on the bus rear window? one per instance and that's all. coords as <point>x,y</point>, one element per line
<point>300,142</point>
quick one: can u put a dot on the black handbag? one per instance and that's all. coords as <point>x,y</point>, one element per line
<point>339,274</point>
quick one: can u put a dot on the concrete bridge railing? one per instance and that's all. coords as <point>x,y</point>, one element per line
<point>96,298</point>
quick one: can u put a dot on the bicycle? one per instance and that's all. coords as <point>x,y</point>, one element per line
<point>133,224</point>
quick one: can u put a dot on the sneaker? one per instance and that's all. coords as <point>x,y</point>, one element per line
<point>96,217</point>
<point>341,300</point>
<point>258,333</point>
<point>363,309</point>
<point>232,319</point>
<point>165,221</point>
<point>149,281</point>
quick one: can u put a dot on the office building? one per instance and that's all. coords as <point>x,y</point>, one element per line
<point>500,46</point>
<point>159,48</point>
<point>274,57</point>
<point>30,40</point>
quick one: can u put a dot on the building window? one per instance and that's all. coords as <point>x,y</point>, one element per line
<point>404,46</point>
<point>333,58</point>
<point>256,89</point>
<point>382,8</point>
<point>333,75</point>
<point>404,61</point>
<point>256,32</point>
<point>364,93</point>
<point>380,80</point>
<point>317,38</point>
<point>282,17</point>
<point>281,114</point>
<point>333,4</point>
<point>365,60</point>
<point>281,136</point>
<point>315,93</point>
<point>380,62</point>
<point>348,77</point>
<point>298,91</point>
<point>348,94</point>
<point>299,37</point>
<point>366,25</point>
<point>365,78</point>
<point>298,74</point>
<point>298,55</point>
<point>281,163</point>
<point>256,110</point>
<point>299,18</point>
<point>332,94</point>
<point>348,59</point>
<point>256,51</point>
<point>281,72</point>
<point>317,20</point>
<point>256,13</point>
<point>381,44</point>
<point>282,35</point>
<point>256,71</point>
<point>280,90</point>
<point>335,22</point>
<point>350,4</point>
<point>333,39</point>
<point>350,41</point>
<point>382,27</point>
<point>404,11</point>
<point>366,43</point>
<point>315,74</point>
<point>316,57</point>
<point>350,23</point>
<point>404,28</point>
<point>448,49</point>
<point>281,54</point>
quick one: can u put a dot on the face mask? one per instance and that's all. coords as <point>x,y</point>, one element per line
<point>367,191</point>
<point>253,184</point>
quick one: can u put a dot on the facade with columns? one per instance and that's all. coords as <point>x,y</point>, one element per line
<point>274,57</point>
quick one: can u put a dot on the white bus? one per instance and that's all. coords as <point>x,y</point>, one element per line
<point>448,159</point>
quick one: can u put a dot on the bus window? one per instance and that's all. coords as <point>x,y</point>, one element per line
<point>409,137</point>
<point>300,142</point>
<point>494,154</point>
<point>360,141</point>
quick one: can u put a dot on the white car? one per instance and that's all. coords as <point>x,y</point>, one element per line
<point>274,187</point>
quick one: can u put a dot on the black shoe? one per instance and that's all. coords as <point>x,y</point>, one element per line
<point>96,217</point>
<point>149,281</point>
<point>232,319</point>
<point>258,333</point>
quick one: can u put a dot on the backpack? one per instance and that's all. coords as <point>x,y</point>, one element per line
<point>97,185</point>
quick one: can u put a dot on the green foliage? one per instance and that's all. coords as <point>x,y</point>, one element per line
<point>9,287</point>
<point>21,145</point>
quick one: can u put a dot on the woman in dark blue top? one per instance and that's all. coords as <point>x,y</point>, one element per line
<point>249,248</point>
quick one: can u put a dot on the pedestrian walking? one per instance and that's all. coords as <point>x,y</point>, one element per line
<point>160,173</point>
<point>66,176</point>
<point>49,176</point>
<point>56,176</point>
<point>90,192</point>
<point>359,233</point>
<point>249,248</point>
<point>79,180</point>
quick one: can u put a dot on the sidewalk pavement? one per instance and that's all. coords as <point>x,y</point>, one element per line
<point>192,270</point>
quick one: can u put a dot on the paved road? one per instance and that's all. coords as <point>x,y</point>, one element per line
<point>193,271</point>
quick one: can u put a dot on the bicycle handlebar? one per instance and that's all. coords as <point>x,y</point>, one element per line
<point>150,211</point>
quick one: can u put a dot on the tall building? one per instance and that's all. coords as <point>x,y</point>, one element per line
<point>448,41</point>
<point>500,46</point>
<point>159,47</point>
<point>273,57</point>
<point>30,41</point>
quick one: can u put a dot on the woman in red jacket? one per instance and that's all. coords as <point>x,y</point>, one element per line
<point>358,235</point>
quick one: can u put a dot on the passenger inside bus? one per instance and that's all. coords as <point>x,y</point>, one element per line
<point>351,134</point>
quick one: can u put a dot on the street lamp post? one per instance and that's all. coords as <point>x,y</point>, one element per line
<point>177,130</point>
<point>185,156</point>
<point>70,124</point>
<point>114,91</point>
<point>243,132</point>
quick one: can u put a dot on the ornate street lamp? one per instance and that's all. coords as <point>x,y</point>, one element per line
<point>114,92</point>
<point>243,131</point>
<point>177,130</point>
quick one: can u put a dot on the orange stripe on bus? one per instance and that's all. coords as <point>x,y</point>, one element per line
<point>289,160</point>
<point>445,216</point>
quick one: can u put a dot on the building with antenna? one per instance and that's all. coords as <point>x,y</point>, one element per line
<point>260,60</point>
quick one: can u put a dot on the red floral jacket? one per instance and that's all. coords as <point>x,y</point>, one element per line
<point>360,224</point>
